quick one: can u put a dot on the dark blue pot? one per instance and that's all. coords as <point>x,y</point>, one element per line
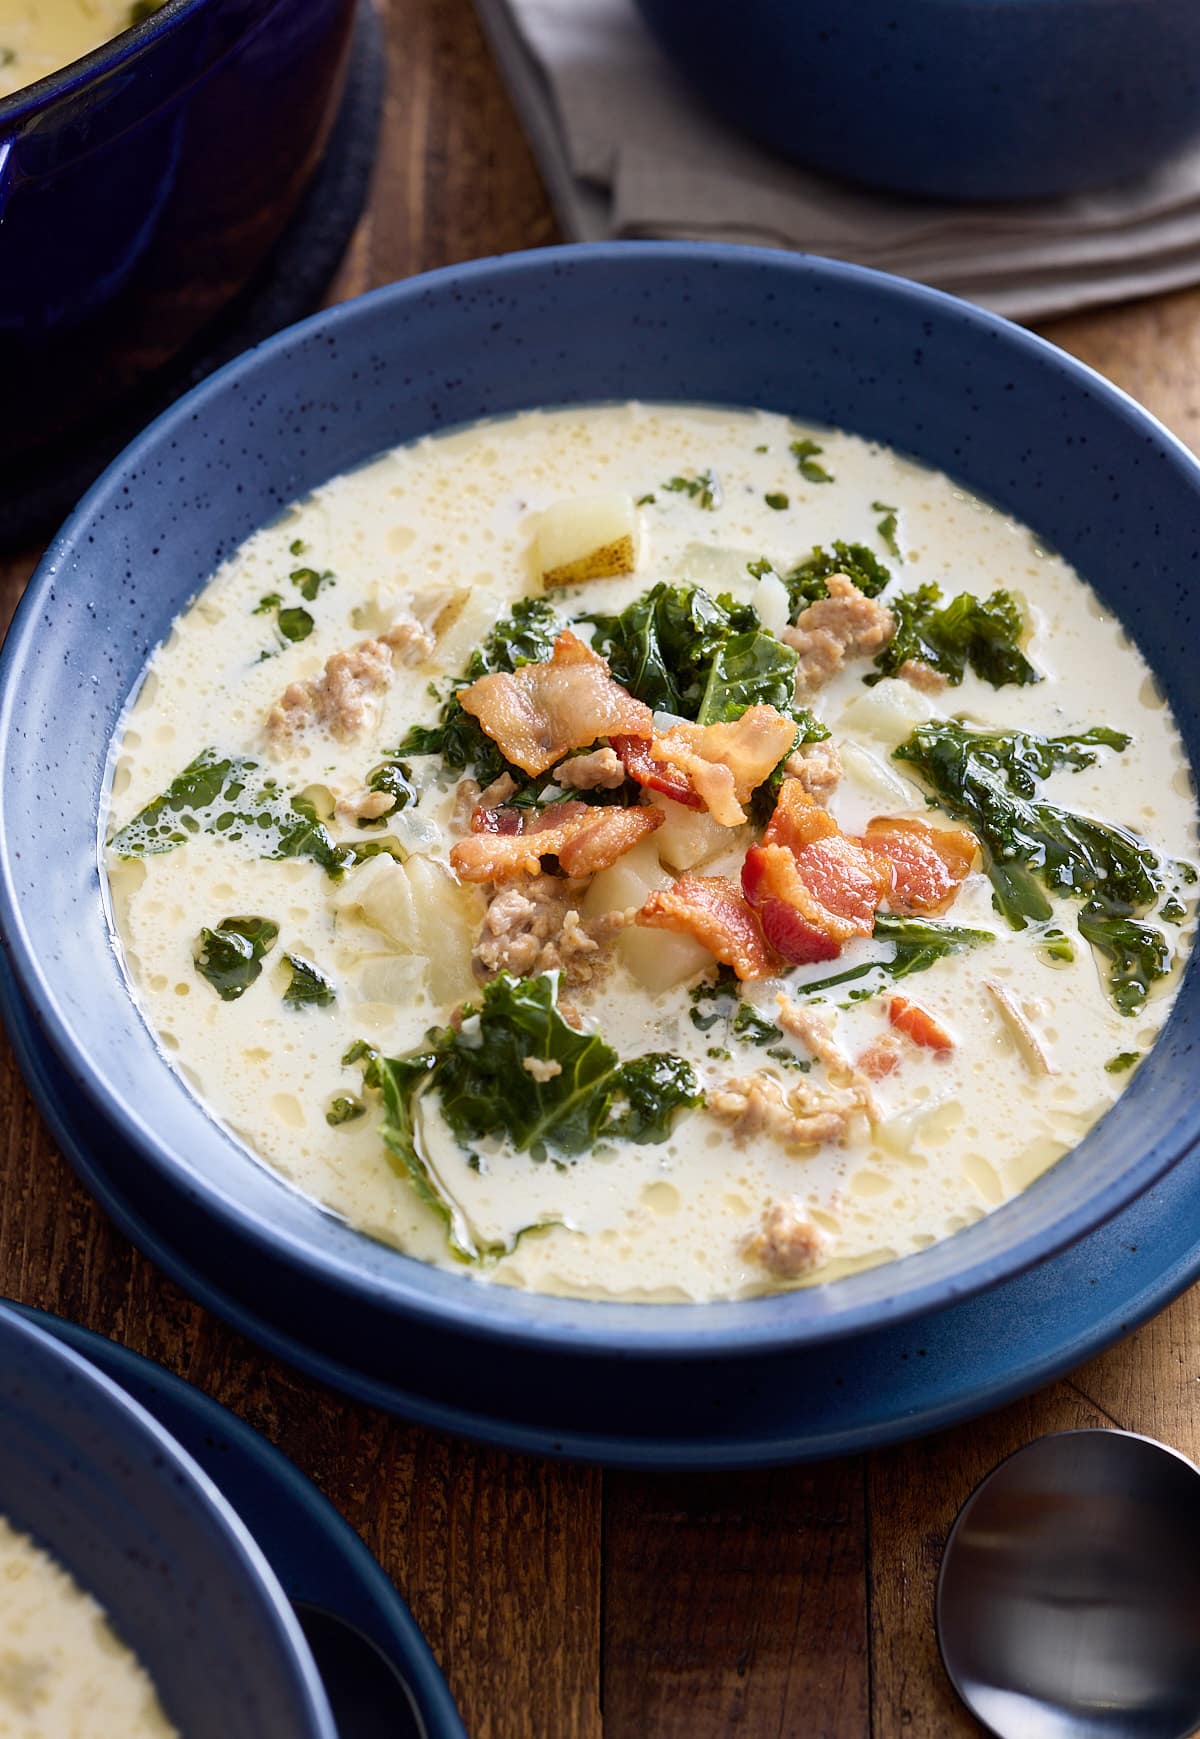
<point>140,188</point>
<point>108,1492</point>
<point>959,99</point>
<point>1004,412</point>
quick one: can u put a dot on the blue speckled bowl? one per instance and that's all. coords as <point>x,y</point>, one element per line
<point>959,389</point>
<point>102,1486</point>
<point>961,99</point>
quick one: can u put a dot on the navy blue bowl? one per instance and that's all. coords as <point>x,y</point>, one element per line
<point>960,99</point>
<point>99,1483</point>
<point>140,188</point>
<point>1003,411</point>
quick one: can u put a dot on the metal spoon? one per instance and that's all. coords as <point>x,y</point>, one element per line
<point>1068,1604</point>
<point>369,1698</point>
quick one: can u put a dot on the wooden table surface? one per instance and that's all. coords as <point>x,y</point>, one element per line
<point>563,1602</point>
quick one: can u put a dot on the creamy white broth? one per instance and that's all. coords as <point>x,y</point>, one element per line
<point>64,1673</point>
<point>37,37</point>
<point>957,1135</point>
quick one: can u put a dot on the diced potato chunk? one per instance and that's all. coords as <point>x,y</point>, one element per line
<point>591,538</point>
<point>628,882</point>
<point>688,836</point>
<point>659,959</point>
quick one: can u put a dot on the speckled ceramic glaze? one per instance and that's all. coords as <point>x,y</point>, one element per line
<point>960,390</point>
<point>961,99</point>
<point>103,1487</point>
<point>141,186</point>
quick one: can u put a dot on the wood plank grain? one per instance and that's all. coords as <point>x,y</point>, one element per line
<point>736,1604</point>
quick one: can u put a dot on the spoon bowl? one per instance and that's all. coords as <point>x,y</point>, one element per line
<point>1068,1604</point>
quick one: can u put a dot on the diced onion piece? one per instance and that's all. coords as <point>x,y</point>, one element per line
<point>591,538</point>
<point>771,602</point>
<point>889,712</point>
<point>422,910</point>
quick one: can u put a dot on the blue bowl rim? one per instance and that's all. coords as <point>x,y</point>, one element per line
<point>503,1315</point>
<point>273,1604</point>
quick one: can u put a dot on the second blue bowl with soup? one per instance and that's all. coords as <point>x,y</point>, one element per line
<point>1002,412</point>
<point>141,187</point>
<point>100,1486</point>
<point>954,99</point>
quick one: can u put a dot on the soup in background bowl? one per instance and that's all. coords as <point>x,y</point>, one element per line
<point>132,1599</point>
<point>1008,418</point>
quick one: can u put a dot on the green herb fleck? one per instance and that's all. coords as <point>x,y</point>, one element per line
<point>805,454</point>
<point>230,957</point>
<point>778,501</point>
<point>704,489</point>
<point>344,1108</point>
<point>268,602</point>
<point>1123,1060</point>
<point>645,501</point>
<point>297,547</point>
<point>887,527</point>
<point>295,623</point>
<point>310,582</point>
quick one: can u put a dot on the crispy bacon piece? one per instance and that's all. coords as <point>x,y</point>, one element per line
<point>813,887</point>
<point>502,819</point>
<point>582,842</point>
<point>537,713</point>
<point>919,1025</point>
<point>929,864</point>
<point>798,819</point>
<point>794,921</point>
<point>711,909</point>
<point>723,763</point>
<point>640,764</point>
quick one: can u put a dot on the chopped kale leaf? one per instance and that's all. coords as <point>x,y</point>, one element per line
<point>233,797</point>
<point>916,945</point>
<point>981,634</point>
<point>309,987</point>
<point>394,779</point>
<point>231,956</point>
<point>806,581</point>
<point>1031,847</point>
<point>477,1072</point>
<point>805,454</point>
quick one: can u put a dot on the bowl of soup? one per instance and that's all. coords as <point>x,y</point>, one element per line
<point>149,157</point>
<point>132,1598</point>
<point>634,808</point>
<point>949,99</point>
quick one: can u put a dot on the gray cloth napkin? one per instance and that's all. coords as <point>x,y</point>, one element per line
<point>626,150</point>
